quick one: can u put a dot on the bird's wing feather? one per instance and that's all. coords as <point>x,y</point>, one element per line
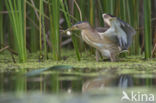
<point>101,29</point>
<point>121,33</point>
<point>107,32</point>
<point>130,31</point>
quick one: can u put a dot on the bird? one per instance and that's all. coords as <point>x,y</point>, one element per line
<point>110,40</point>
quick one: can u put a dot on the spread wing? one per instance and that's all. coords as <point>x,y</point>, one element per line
<point>121,33</point>
<point>130,31</point>
<point>102,29</point>
<point>105,32</point>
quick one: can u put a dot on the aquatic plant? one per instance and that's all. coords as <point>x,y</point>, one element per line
<point>147,30</point>
<point>1,24</point>
<point>65,11</point>
<point>42,31</point>
<point>32,24</point>
<point>17,15</point>
<point>54,12</point>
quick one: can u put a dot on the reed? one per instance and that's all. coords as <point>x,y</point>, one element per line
<point>1,83</point>
<point>20,83</point>
<point>105,6</point>
<point>42,31</point>
<point>133,14</point>
<point>92,12</point>
<point>65,10</point>
<point>83,5</point>
<point>108,6</point>
<point>128,11</point>
<point>55,83</point>
<point>17,12</point>
<point>147,30</point>
<point>54,11</point>
<point>34,14</point>
<point>34,29</point>
<point>1,25</point>
<point>79,12</point>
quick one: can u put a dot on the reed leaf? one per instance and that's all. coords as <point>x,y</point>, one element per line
<point>20,85</point>
<point>42,30</point>
<point>109,6</point>
<point>1,25</point>
<point>147,30</point>
<point>34,38</point>
<point>68,20</point>
<point>92,12</point>
<point>135,23</point>
<point>16,10</point>
<point>54,11</point>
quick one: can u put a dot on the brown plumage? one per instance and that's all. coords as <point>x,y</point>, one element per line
<point>109,40</point>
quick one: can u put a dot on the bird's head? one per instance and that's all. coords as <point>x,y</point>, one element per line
<point>80,26</point>
<point>109,19</point>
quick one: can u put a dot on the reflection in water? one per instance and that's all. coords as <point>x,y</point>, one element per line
<point>125,81</point>
<point>58,83</point>
<point>98,83</point>
<point>102,82</point>
<point>20,84</point>
<point>1,83</point>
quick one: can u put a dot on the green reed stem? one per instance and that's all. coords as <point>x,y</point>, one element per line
<point>17,11</point>
<point>68,20</point>
<point>42,29</point>
<point>54,11</point>
<point>92,12</point>
<point>1,25</point>
<point>147,30</point>
<point>135,23</point>
<point>34,37</point>
<point>20,83</point>
<point>83,8</point>
<point>108,6</point>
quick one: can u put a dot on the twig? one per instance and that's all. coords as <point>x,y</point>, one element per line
<point>153,19</point>
<point>66,42</point>
<point>4,48</point>
<point>154,49</point>
<point>78,9</point>
<point>10,50</point>
<point>35,9</point>
<point>36,26</point>
<point>3,12</point>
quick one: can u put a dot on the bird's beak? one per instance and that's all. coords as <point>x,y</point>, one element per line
<point>74,27</point>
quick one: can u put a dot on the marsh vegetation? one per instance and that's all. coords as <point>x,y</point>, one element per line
<point>40,63</point>
<point>27,26</point>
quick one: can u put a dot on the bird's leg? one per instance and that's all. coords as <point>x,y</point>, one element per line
<point>97,55</point>
<point>113,58</point>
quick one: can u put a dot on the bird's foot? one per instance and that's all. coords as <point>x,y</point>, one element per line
<point>113,59</point>
<point>106,60</point>
<point>97,56</point>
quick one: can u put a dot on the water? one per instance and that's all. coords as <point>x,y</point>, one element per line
<point>75,87</point>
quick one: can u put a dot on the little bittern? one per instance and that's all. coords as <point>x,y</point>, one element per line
<point>110,40</point>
